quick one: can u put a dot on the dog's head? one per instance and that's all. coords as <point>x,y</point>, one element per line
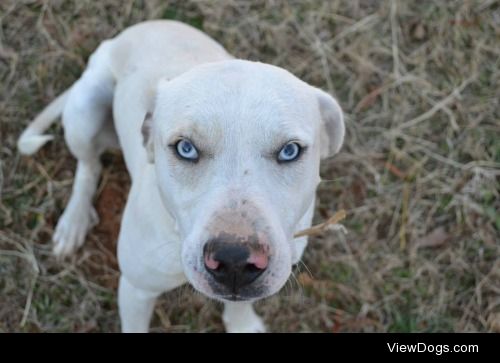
<point>236,147</point>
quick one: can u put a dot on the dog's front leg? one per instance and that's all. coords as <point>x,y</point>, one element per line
<point>240,317</point>
<point>135,306</point>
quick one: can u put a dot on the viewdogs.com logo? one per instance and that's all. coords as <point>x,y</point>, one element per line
<point>437,349</point>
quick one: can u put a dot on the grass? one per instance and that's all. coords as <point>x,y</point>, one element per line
<point>420,85</point>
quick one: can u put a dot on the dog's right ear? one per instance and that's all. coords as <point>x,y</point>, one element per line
<point>332,124</point>
<point>147,136</point>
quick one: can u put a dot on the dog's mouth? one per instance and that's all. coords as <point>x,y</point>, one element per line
<point>233,291</point>
<point>235,297</point>
<point>265,285</point>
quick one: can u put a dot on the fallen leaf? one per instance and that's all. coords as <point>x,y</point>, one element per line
<point>494,322</point>
<point>305,279</point>
<point>419,32</point>
<point>369,99</point>
<point>395,170</point>
<point>436,238</point>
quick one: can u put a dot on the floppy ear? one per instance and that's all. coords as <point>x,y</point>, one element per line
<point>332,124</point>
<point>147,137</point>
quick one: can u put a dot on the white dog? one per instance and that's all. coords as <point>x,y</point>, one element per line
<point>224,158</point>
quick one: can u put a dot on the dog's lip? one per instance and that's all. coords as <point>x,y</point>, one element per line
<point>221,293</point>
<point>225,296</point>
<point>234,297</point>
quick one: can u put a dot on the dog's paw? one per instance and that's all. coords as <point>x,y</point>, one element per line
<point>247,323</point>
<point>71,230</point>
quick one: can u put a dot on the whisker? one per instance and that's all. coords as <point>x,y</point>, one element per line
<point>307,268</point>
<point>300,288</point>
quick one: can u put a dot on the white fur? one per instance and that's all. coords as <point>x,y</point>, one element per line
<point>238,114</point>
<point>32,139</point>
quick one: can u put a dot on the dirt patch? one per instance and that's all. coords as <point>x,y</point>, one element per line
<point>110,202</point>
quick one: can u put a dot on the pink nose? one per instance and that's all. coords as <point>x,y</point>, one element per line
<point>234,265</point>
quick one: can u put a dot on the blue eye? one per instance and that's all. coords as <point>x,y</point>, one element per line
<point>186,150</point>
<point>289,152</point>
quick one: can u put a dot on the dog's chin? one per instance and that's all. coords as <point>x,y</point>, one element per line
<point>208,287</point>
<point>222,294</point>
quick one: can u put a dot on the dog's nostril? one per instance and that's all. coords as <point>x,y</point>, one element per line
<point>250,267</point>
<point>221,268</point>
<point>211,263</point>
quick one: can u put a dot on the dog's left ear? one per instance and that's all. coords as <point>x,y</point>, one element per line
<point>147,137</point>
<point>332,124</point>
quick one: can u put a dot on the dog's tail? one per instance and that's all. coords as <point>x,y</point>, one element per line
<point>33,138</point>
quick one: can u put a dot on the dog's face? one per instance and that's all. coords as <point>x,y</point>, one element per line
<point>236,147</point>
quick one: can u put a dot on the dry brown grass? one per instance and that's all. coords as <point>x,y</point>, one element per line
<point>419,174</point>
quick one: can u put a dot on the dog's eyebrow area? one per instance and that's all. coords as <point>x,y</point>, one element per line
<point>188,130</point>
<point>269,139</point>
<point>285,133</point>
